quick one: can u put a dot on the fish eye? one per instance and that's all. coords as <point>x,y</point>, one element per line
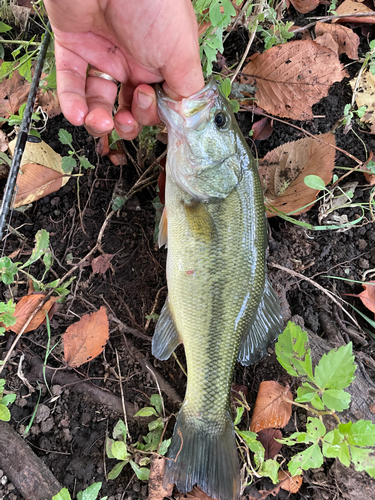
<point>220,120</point>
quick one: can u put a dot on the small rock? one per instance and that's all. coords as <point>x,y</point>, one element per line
<point>56,390</point>
<point>362,244</point>
<point>66,435</point>
<point>42,414</point>
<point>137,486</point>
<point>47,425</point>
<point>364,263</point>
<point>55,201</point>
<point>35,429</point>
<point>3,480</point>
<point>86,417</point>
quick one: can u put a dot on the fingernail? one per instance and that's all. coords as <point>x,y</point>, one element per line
<point>126,128</point>
<point>144,100</point>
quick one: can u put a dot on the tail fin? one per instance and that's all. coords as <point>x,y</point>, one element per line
<point>204,456</point>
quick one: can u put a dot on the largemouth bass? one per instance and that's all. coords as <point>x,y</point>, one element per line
<point>220,304</point>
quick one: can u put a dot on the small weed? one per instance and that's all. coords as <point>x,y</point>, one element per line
<point>90,493</point>
<point>4,402</point>
<point>126,453</point>
<point>70,162</point>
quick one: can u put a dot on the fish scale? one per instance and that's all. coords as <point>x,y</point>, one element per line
<point>220,305</point>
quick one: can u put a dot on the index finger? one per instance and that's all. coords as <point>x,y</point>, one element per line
<point>71,81</point>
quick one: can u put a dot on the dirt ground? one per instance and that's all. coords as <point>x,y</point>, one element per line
<point>69,430</point>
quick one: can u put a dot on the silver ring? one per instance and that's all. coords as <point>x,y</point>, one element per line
<point>93,71</point>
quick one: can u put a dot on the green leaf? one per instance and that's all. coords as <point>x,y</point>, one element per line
<point>4,413</point>
<point>85,162</point>
<point>363,459</point>
<point>315,428</point>
<point>156,424</point>
<point>239,413</point>
<point>65,137</point>
<point>90,493</point>
<point>146,412</point>
<point>41,245</point>
<point>47,259</point>
<point>225,87</point>
<point>269,468</point>
<point>157,403</point>
<point>254,445</point>
<point>215,14</point>
<point>119,431</point>
<point>336,399</point>
<point>317,402</point>
<point>362,433</point>
<point>119,450</point>
<point>235,105</point>
<point>314,182</point>
<point>62,495</point>
<point>4,27</point>
<point>292,351</point>
<point>163,448</point>
<point>118,203</point>
<point>68,163</point>
<point>310,458</point>
<point>335,369</point>
<point>141,472</point>
<point>305,394</point>
<point>334,446</point>
<point>116,471</point>
<point>9,399</point>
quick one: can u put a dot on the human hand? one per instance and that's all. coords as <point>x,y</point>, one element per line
<point>136,42</point>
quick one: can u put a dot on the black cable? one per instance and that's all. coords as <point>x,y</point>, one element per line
<point>22,136</point>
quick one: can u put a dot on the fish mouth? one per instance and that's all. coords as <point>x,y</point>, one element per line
<point>192,110</point>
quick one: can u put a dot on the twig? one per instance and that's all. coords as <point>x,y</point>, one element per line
<point>325,19</point>
<point>329,294</point>
<point>258,9</point>
<point>142,177</point>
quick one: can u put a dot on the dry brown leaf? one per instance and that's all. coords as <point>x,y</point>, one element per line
<point>283,170</point>
<point>101,264</point>
<point>327,41</point>
<point>271,411</point>
<point>49,102</point>
<point>102,146</point>
<point>40,173</point>
<point>13,93</point>
<point>347,40</point>
<point>24,309</point>
<point>290,483</point>
<point>86,339</point>
<point>365,96</point>
<point>268,439</point>
<point>155,486</point>
<point>368,296</point>
<point>304,6</point>
<point>352,7</point>
<point>262,129</point>
<point>290,78</point>
<point>118,157</point>
<point>196,494</point>
<point>3,141</point>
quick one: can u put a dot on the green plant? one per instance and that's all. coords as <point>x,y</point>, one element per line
<point>70,162</point>
<point>90,493</point>
<point>276,32</point>
<point>9,269</point>
<point>126,453</point>
<point>322,394</point>
<point>4,402</point>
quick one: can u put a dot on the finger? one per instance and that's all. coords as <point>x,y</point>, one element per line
<point>126,125</point>
<point>71,81</point>
<point>144,106</point>
<point>100,95</point>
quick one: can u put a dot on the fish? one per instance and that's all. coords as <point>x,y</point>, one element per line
<point>220,304</point>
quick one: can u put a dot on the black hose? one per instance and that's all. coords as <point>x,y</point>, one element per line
<point>22,136</point>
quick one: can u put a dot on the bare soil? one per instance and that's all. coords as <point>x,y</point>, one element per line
<point>69,430</point>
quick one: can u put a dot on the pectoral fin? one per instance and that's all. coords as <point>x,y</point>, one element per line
<point>265,327</point>
<point>166,338</point>
<point>163,230</point>
<point>200,221</point>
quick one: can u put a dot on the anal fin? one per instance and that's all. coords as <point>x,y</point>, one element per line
<point>166,338</point>
<point>265,327</point>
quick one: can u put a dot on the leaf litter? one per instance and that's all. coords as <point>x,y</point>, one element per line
<point>86,339</point>
<point>271,410</point>
<point>365,96</point>
<point>283,170</point>
<point>25,308</point>
<point>290,78</point>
